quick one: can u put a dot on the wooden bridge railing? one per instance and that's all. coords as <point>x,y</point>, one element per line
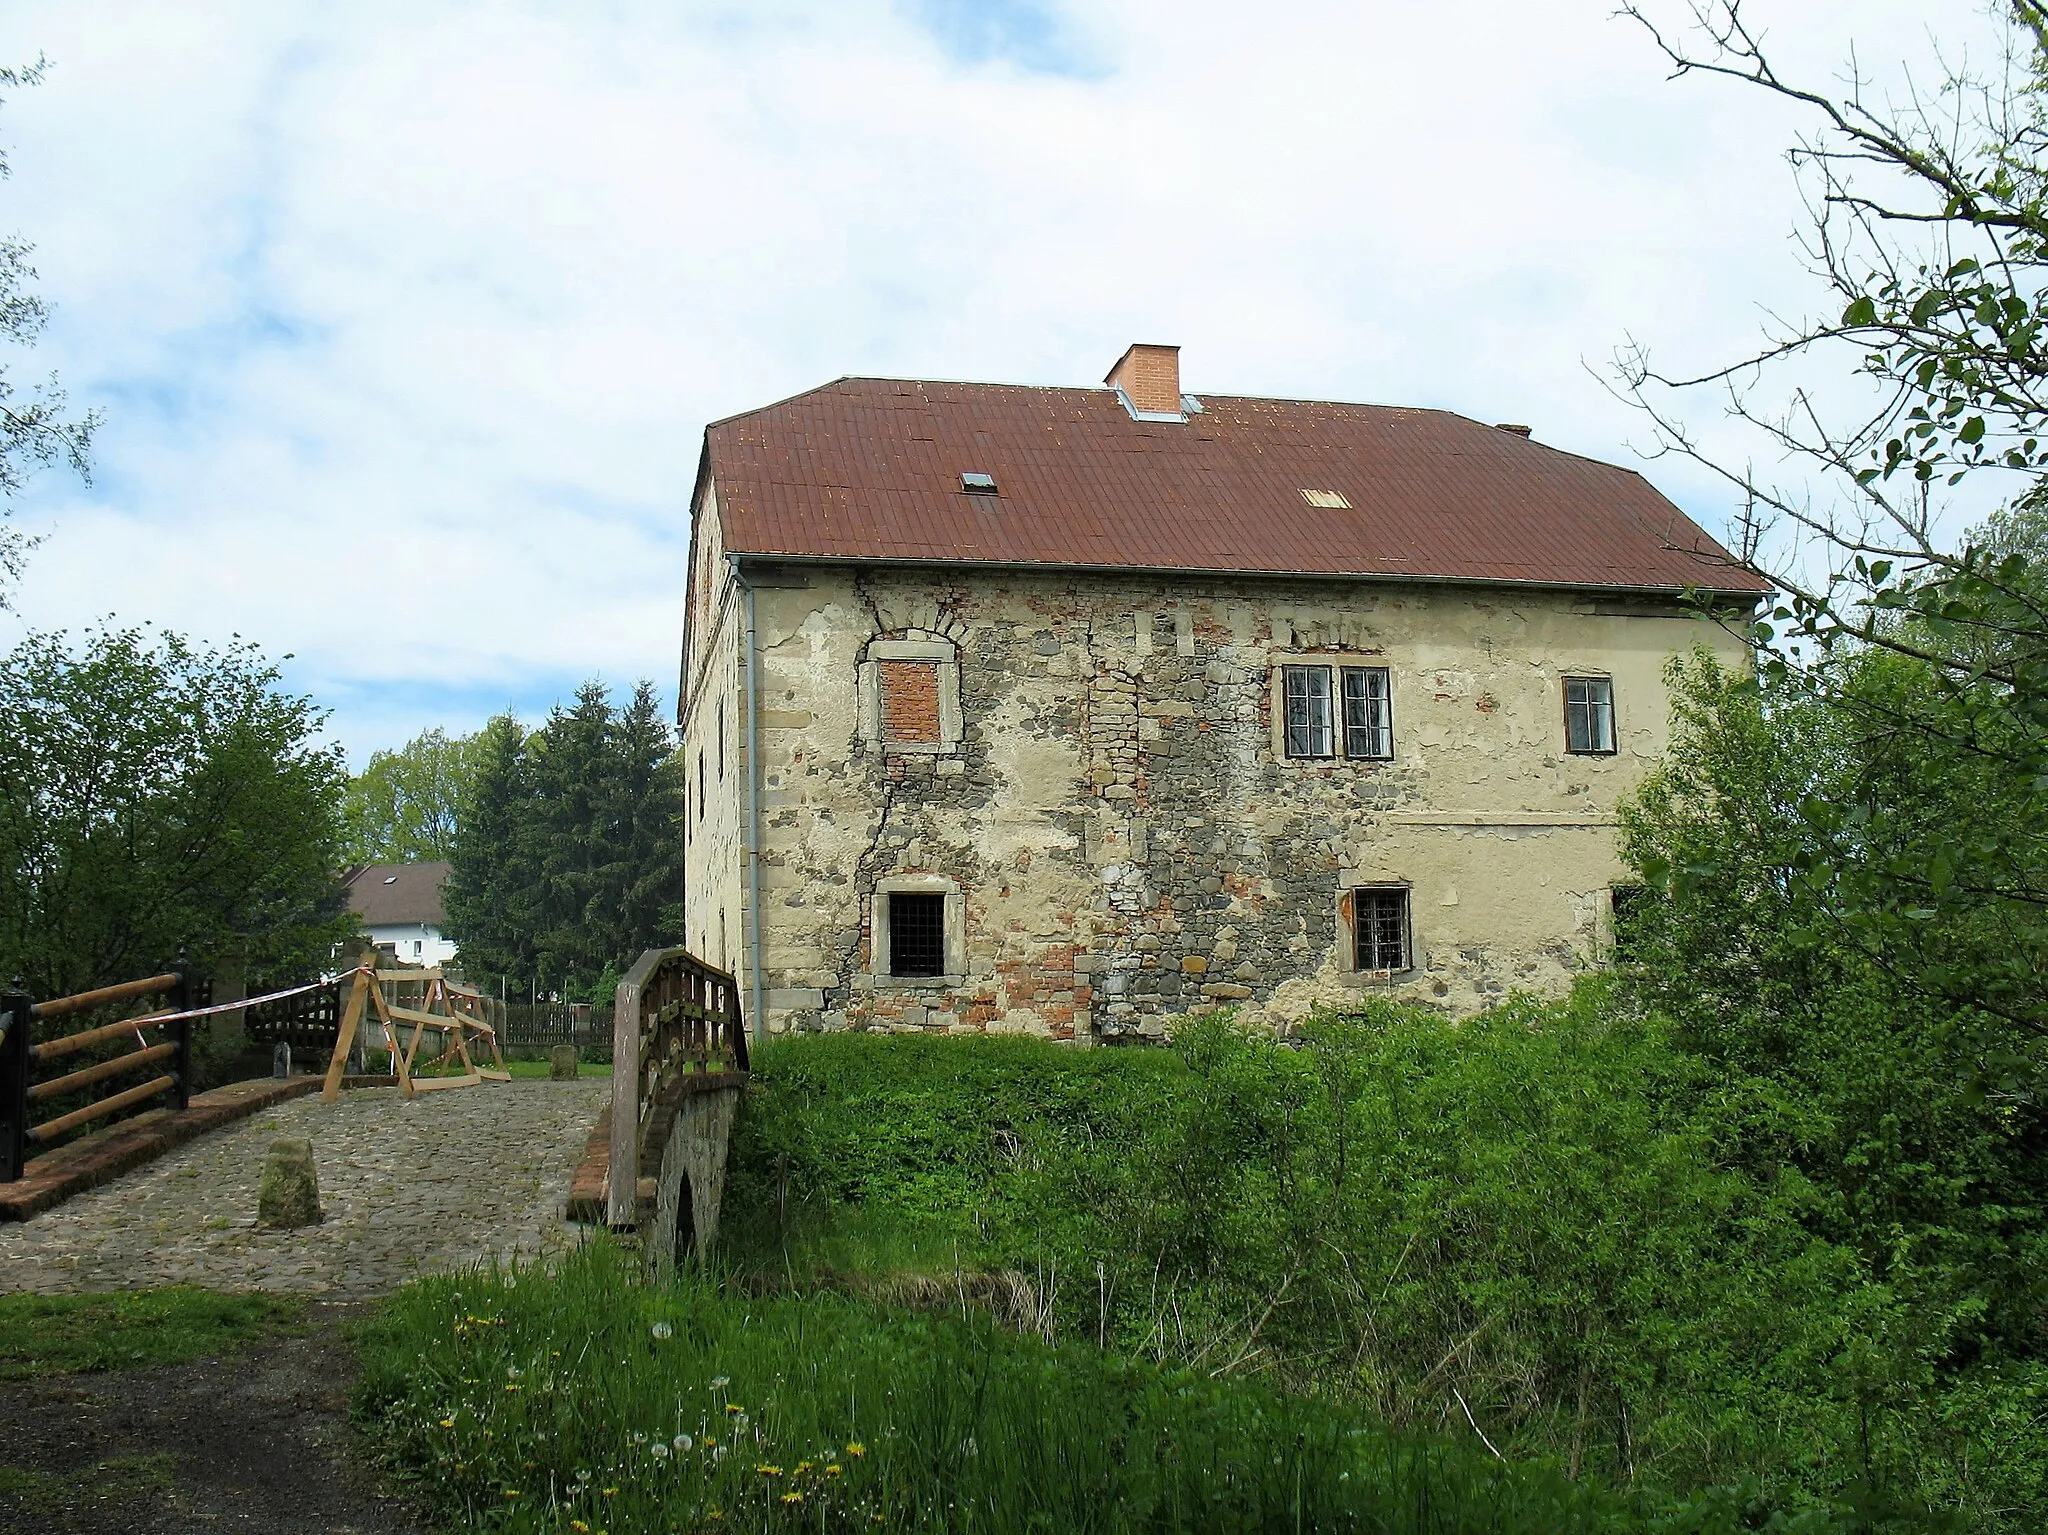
<point>676,1018</point>
<point>25,1083</point>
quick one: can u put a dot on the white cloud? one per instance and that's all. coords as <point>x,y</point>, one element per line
<point>407,318</point>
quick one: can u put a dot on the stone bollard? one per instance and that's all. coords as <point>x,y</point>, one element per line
<point>281,1060</point>
<point>290,1193</point>
<point>562,1063</point>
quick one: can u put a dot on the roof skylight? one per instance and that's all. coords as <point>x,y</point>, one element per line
<point>976,483</point>
<point>1332,500</point>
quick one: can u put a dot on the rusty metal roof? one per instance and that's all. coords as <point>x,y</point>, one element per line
<point>869,469</point>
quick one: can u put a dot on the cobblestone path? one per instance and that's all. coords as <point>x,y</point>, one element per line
<point>425,1186</point>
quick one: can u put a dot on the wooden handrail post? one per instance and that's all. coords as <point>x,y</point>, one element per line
<point>185,994</point>
<point>15,1013</point>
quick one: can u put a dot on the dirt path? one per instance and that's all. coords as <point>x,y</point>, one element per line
<point>258,1441</point>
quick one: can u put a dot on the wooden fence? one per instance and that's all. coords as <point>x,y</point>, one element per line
<point>308,1022</point>
<point>57,1080</point>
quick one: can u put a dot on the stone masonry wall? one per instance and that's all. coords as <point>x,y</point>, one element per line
<point>1119,832</point>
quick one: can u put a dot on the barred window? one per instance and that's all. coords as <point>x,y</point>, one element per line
<point>1379,925</point>
<point>917,932</point>
<point>1307,691</point>
<point>1589,715</point>
<point>1368,714</point>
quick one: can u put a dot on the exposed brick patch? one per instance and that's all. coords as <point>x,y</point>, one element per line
<point>910,701</point>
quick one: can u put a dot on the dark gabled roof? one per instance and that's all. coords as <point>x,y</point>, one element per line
<point>869,469</point>
<point>388,894</point>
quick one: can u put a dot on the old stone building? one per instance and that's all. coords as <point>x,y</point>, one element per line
<point>1069,710</point>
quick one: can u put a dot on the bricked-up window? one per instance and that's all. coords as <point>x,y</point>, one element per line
<point>917,932</point>
<point>1379,926</point>
<point>1368,714</point>
<point>910,702</point>
<point>1589,715</point>
<point>1307,690</point>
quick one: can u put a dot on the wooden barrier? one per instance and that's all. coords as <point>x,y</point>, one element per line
<point>460,1018</point>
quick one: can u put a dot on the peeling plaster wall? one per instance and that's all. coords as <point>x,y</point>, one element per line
<point>1126,837</point>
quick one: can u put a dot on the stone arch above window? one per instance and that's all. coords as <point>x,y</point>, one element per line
<point>910,695</point>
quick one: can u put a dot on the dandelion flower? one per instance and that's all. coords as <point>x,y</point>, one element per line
<point>511,1492</point>
<point>658,1450</point>
<point>685,1443</point>
<point>720,1382</point>
<point>792,1497</point>
<point>662,1330</point>
<point>856,1449</point>
<point>832,1470</point>
<point>769,1470</point>
<point>734,1408</point>
<point>579,1527</point>
<point>611,1492</point>
<point>447,1423</point>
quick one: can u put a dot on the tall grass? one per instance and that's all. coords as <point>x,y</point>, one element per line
<point>580,1400</point>
<point>1527,1230</point>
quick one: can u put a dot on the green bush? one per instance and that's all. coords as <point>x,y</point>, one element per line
<point>1529,1226</point>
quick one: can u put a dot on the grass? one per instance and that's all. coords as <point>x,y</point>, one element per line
<point>580,1400</point>
<point>67,1334</point>
<point>522,1070</point>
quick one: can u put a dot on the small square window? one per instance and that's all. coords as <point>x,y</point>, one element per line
<point>1589,715</point>
<point>917,932</point>
<point>1368,714</point>
<point>1307,700</point>
<point>1379,928</point>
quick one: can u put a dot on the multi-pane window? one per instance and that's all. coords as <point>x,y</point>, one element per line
<point>917,932</point>
<point>1368,714</point>
<point>1313,714</point>
<point>1379,926</point>
<point>1589,714</point>
<point>1307,691</point>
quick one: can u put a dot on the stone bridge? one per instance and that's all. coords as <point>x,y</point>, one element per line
<point>656,1162</point>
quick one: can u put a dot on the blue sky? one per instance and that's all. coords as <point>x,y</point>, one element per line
<point>406,318</point>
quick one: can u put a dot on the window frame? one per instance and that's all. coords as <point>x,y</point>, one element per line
<point>1383,727</point>
<point>878,974</point>
<point>933,904</point>
<point>1339,734</point>
<point>1359,899</point>
<point>1596,712</point>
<point>1289,672</point>
<point>946,655</point>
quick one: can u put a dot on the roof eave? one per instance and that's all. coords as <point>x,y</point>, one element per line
<point>1749,594</point>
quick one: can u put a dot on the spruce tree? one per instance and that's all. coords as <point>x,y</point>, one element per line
<point>644,877</point>
<point>489,899</point>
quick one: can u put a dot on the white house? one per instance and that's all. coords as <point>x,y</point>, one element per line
<point>399,904</point>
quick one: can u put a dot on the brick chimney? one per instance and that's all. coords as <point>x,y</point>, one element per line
<point>1149,376</point>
